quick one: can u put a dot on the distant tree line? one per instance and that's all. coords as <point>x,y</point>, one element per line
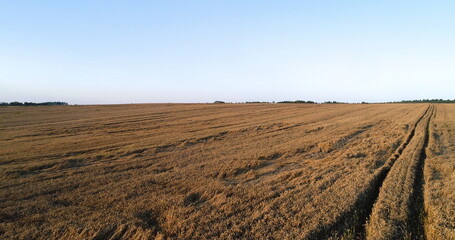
<point>297,101</point>
<point>258,102</point>
<point>32,103</point>
<point>220,102</point>
<point>428,101</point>
<point>335,102</point>
<point>425,101</point>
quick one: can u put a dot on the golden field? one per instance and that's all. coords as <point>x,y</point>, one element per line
<point>228,171</point>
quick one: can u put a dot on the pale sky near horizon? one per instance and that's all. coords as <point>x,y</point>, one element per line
<point>94,52</point>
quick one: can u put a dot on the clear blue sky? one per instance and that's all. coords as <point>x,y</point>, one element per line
<point>201,51</point>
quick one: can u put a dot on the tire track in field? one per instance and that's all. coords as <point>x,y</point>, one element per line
<point>414,227</point>
<point>351,224</point>
<point>417,204</point>
<point>378,180</point>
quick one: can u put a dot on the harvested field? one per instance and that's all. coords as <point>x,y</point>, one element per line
<point>439,172</point>
<point>227,171</point>
<point>396,212</point>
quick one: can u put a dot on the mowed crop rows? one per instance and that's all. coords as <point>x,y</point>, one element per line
<point>227,171</point>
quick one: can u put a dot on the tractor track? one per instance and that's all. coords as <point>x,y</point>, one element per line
<point>417,201</point>
<point>417,205</point>
<point>352,223</point>
<point>415,220</point>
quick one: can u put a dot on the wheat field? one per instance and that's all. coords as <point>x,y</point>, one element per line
<point>228,171</point>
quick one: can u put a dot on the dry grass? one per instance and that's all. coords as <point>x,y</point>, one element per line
<point>440,175</point>
<point>188,171</point>
<point>394,211</point>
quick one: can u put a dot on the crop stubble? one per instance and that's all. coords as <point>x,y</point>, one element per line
<point>195,171</point>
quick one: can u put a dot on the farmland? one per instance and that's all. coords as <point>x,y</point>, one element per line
<point>228,171</point>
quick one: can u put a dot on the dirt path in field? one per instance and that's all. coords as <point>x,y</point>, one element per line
<point>413,222</point>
